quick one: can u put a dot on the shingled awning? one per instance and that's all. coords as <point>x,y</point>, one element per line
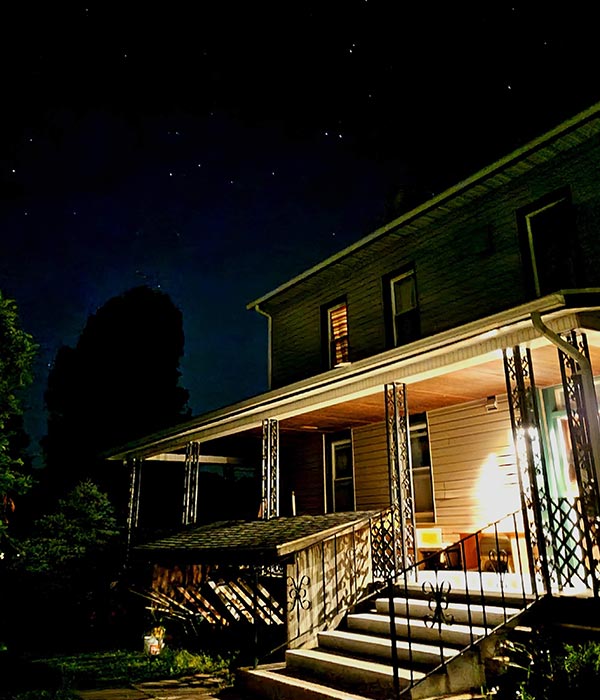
<point>248,541</point>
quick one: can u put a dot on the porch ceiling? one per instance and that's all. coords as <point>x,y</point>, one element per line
<point>460,386</point>
<point>455,366</point>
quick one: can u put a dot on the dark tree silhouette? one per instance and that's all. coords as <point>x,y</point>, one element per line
<point>17,351</point>
<point>120,382</point>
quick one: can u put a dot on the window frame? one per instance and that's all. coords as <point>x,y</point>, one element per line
<point>419,422</point>
<point>329,341</point>
<point>393,338</point>
<point>526,215</point>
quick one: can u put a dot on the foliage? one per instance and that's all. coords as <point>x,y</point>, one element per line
<point>83,526</point>
<point>17,351</point>
<point>57,677</point>
<point>546,670</point>
<point>63,574</point>
<point>120,382</point>
<point>114,668</point>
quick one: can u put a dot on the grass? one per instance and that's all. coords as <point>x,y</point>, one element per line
<point>58,677</point>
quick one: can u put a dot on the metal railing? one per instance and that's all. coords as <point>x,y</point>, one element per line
<point>487,571</point>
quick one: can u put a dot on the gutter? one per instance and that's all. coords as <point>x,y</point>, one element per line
<point>269,343</point>
<point>587,386</point>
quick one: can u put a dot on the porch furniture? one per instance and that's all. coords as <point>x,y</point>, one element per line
<point>435,553</point>
<point>495,552</point>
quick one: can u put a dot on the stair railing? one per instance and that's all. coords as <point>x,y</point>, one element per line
<point>489,562</point>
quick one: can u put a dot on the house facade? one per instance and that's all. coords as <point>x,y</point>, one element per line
<point>445,366</point>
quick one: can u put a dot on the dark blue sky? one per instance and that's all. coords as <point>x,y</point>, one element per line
<point>218,149</point>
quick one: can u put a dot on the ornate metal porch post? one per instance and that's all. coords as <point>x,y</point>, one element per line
<point>133,510</point>
<point>270,468</point>
<point>531,467</point>
<point>190,483</point>
<point>582,409</point>
<point>400,475</point>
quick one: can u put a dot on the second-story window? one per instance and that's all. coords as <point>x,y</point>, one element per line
<point>549,240</point>
<point>404,307</point>
<point>337,332</point>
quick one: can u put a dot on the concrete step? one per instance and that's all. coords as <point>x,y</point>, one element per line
<point>365,645</point>
<point>273,682</point>
<point>482,615</point>
<point>469,587</point>
<point>368,677</point>
<point>454,635</point>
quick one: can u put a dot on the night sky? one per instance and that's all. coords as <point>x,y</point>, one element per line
<point>215,150</point>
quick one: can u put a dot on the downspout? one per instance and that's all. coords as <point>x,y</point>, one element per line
<point>269,343</point>
<point>587,385</point>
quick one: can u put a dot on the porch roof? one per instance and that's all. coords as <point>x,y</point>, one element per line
<point>421,362</point>
<point>249,541</point>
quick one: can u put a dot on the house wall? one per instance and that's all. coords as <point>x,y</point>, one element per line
<point>371,480</point>
<point>474,466</point>
<point>469,263</point>
<point>474,472</point>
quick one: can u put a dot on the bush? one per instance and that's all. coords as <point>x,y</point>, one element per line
<point>546,670</point>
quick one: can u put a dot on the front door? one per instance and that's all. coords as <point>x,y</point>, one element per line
<point>340,475</point>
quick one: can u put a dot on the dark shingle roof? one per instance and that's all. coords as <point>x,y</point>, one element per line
<point>248,541</point>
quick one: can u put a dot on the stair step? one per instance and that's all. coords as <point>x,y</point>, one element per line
<point>348,642</point>
<point>459,592</point>
<point>492,615</point>
<point>455,634</point>
<point>367,677</point>
<point>274,683</point>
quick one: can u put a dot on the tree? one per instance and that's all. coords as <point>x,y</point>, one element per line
<point>63,575</point>
<point>120,382</point>
<point>17,351</point>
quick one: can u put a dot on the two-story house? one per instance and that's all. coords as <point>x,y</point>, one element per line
<point>431,386</point>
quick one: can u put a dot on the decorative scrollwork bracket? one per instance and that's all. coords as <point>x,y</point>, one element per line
<point>438,604</point>
<point>297,592</point>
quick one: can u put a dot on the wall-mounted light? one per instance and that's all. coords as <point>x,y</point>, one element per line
<point>491,404</point>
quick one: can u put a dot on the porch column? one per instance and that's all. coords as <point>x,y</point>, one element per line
<point>270,468</point>
<point>531,467</point>
<point>190,483</point>
<point>582,417</point>
<point>133,510</point>
<point>400,475</point>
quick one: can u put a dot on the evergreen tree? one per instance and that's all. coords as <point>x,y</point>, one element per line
<point>120,382</point>
<point>17,351</point>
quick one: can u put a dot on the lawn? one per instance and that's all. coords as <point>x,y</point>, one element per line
<point>57,677</point>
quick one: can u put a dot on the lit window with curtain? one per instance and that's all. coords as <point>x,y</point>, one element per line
<point>337,322</point>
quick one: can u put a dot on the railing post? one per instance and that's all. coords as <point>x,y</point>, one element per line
<point>393,638</point>
<point>255,605</point>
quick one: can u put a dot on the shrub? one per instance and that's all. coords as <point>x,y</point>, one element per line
<point>546,670</point>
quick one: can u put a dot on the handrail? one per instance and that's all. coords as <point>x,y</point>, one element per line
<point>437,590</point>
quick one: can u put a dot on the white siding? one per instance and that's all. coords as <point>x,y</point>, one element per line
<point>474,471</point>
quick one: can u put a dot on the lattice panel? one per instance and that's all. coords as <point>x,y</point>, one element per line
<point>570,569</point>
<point>190,487</point>
<point>400,473</point>
<point>383,546</point>
<point>270,468</point>
<point>531,468</point>
<point>580,432</point>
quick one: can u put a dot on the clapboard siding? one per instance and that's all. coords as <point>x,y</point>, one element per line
<point>371,481</point>
<point>474,470</point>
<point>468,264</point>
